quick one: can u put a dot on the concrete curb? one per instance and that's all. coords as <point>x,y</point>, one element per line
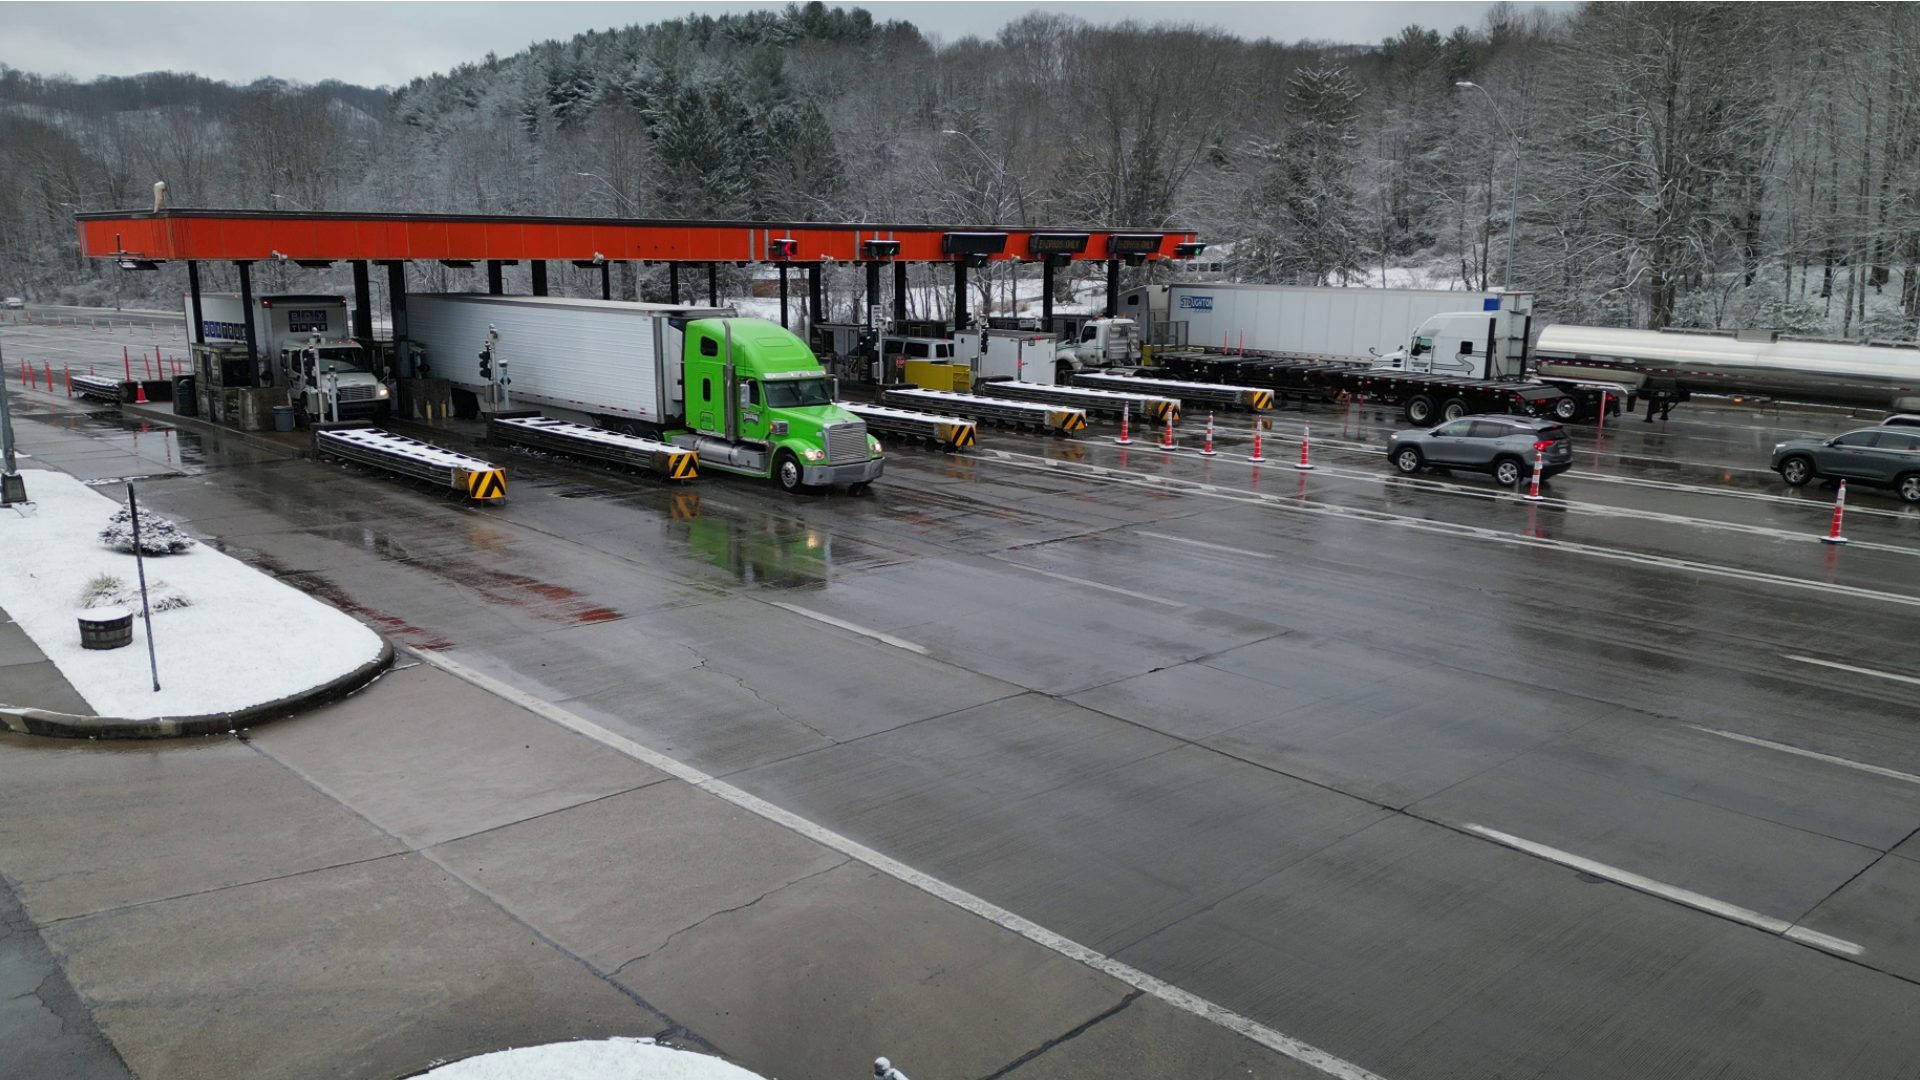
<point>208,427</point>
<point>71,726</point>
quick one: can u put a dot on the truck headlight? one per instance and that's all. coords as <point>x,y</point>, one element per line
<point>380,391</point>
<point>814,453</point>
<point>873,447</point>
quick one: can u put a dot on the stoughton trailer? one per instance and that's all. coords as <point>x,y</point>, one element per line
<point>746,395</point>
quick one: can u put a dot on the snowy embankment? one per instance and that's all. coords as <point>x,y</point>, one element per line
<point>607,1059</point>
<point>241,639</point>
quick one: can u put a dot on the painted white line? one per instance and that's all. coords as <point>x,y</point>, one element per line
<point>1294,505</point>
<point>898,643</point>
<point>1091,584</point>
<point>966,901</point>
<point>1672,892</point>
<point>1846,763</point>
<point>1201,543</point>
<point>1856,670</point>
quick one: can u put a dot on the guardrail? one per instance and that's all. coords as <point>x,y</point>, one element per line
<point>600,444</point>
<point>1149,406</point>
<point>481,481</point>
<point>1059,419</point>
<point>946,432</point>
<point>1248,397</point>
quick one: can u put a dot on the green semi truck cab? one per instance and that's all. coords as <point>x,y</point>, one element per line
<point>757,403</point>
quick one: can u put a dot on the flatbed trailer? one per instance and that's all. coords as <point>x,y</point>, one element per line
<point>1423,397</point>
<point>1161,381</point>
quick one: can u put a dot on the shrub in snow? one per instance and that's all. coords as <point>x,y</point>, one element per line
<point>106,590</point>
<point>158,536</point>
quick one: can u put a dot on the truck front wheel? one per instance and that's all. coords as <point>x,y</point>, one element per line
<point>786,470</point>
<point>1063,373</point>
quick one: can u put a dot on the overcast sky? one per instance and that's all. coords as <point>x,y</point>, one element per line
<point>376,44</point>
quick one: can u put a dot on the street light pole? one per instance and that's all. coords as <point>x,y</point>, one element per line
<point>1513,212</point>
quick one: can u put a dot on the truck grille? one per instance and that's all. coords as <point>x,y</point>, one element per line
<point>846,443</point>
<point>356,393</point>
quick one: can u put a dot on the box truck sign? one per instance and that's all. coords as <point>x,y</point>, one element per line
<point>1189,302</point>
<point>223,331</point>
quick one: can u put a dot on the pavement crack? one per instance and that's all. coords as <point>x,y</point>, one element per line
<point>778,708</point>
<point>1068,1037</point>
<point>710,916</point>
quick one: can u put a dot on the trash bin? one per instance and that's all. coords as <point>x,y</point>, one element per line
<point>283,418</point>
<point>184,402</point>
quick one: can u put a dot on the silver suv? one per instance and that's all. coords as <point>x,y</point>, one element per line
<point>1501,445</point>
<point>1881,456</point>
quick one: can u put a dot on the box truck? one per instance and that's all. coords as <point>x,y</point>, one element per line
<point>304,344</point>
<point>743,393</point>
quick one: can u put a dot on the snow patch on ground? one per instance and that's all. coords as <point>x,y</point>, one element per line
<point>608,1059</point>
<point>244,639</point>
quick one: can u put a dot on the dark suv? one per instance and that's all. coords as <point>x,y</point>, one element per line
<point>1501,445</point>
<point>1881,456</point>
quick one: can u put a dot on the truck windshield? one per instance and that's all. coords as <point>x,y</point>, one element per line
<point>790,395</point>
<point>339,360</point>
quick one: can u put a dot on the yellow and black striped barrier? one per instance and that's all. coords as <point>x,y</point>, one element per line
<point>1031,414</point>
<point>481,481</point>
<point>579,440</point>
<point>943,431</point>
<point>487,486</point>
<point>1189,393</point>
<point>1141,403</point>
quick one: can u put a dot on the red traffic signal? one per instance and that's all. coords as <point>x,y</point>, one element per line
<point>783,248</point>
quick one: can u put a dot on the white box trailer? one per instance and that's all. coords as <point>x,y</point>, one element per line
<point>1022,355</point>
<point>1299,320</point>
<point>590,358</point>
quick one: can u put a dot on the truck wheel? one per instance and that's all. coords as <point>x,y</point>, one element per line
<point>1407,460</point>
<point>1908,488</point>
<point>1566,409</point>
<point>1796,471</point>
<point>1454,409</point>
<point>1063,374</point>
<point>786,470</point>
<point>1508,471</point>
<point>1420,410</point>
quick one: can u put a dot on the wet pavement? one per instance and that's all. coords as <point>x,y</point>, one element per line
<point>1247,729</point>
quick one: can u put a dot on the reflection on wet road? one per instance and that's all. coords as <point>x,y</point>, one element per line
<point>1386,763</point>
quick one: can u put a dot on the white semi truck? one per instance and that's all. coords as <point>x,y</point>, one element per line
<point>745,394</point>
<point>304,344</point>
<point>1448,352</point>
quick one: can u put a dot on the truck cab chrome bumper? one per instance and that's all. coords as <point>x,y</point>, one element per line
<point>823,475</point>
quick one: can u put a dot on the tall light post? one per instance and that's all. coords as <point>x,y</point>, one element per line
<point>1513,213</point>
<point>623,203</point>
<point>1000,186</point>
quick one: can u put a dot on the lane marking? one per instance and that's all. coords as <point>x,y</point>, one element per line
<point>1090,584</point>
<point>960,898</point>
<point>898,643</point>
<point>1292,504</point>
<point>1674,893</point>
<point>1856,670</point>
<point>1211,490</point>
<point>1847,763</point>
